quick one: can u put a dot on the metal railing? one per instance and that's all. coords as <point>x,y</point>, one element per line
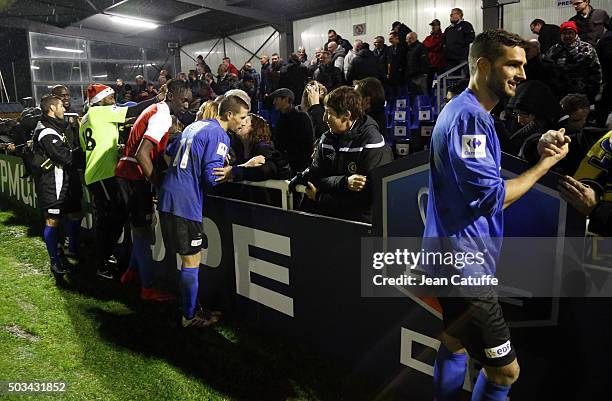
<point>441,84</point>
<point>281,185</point>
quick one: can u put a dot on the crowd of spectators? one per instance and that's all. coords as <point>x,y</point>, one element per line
<point>568,65</point>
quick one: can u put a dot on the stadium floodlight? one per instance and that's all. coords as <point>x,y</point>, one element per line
<point>62,49</point>
<point>138,23</point>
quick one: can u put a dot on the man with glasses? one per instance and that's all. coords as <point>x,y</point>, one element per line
<point>578,62</point>
<point>590,21</point>
<point>548,34</point>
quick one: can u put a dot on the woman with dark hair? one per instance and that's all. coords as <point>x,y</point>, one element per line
<point>373,97</point>
<point>256,159</point>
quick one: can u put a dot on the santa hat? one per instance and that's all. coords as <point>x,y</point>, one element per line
<point>569,25</point>
<point>97,92</point>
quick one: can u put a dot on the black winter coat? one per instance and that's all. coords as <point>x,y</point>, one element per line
<point>457,39</point>
<point>329,76</point>
<point>417,61</point>
<point>293,135</point>
<point>548,37</point>
<point>338,156</point>
<point>53,185</point>
<point>365,64</point>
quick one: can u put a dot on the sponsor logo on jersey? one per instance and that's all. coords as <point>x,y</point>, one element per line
<point>222,150</point>
<point>196,242</point>
<point>499,351</point>
<point>473,146</point>
<point>53,211</point>
<point>352,167</point>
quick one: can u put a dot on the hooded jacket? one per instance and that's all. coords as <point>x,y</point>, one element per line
<point>338,156</point>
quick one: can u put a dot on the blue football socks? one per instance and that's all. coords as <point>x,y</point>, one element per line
<point>51,237</point>
<point>141,254</point>
<point>189,290</point>
<point>449,374</point>
<point>486,390</point>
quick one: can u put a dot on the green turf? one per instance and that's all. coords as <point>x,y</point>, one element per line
<point>107,345</point>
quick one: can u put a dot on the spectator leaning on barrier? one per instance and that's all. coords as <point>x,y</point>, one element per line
<point>457,38</point>
<point>327,74</point>
<point>548,34</point>
<point>590,22</point>
<point>339,181</point>
<point>259,160</point>
<point>578,62</point>
<point>293,133</point>
<point>56,177</point>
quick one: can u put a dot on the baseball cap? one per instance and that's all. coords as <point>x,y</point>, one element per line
<point>569,25</point>
<point>435,22</point>
<point>283,92</point>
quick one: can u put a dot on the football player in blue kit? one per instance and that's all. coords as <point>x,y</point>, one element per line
<point>467,196</point>
<point>200,148</point>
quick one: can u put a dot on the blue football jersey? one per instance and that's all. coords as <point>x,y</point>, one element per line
<point>466,190</point>
<point>200,148</point>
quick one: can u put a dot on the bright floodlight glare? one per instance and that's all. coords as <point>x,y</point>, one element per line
<point>61,49</point>
<point>133,22</point>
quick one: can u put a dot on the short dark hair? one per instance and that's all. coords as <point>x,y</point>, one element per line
<point>537,21</point>
<point>331,30</point>
<point>226,58</point>
<point>396,23</point>
<point>489,44</point>
<point>55,90</point>
<point>275,54</point>
<point>232,103</point>
<point>379,37</point>
<point>460,11</point>
<point>200,56</point>
<point>47,101</point>
<point>574,102</point>
<point>177,87</point>
<point>345,99</point>
<point>374,89</point>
